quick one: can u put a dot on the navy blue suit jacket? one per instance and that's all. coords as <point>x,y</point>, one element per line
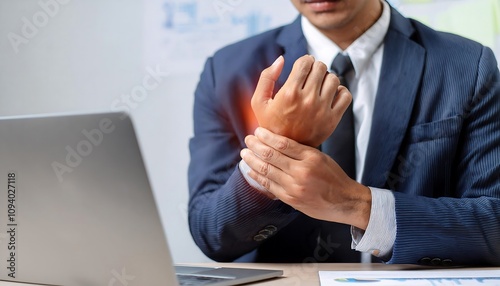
<point>435,141</point>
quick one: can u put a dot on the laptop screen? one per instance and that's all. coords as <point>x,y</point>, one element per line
<point>77,207</point>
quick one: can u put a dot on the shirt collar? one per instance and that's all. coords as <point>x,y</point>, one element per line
<point>360,51</point>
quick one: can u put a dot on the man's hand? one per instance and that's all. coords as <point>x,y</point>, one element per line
<point>307,108</point>
<point>306,179</point>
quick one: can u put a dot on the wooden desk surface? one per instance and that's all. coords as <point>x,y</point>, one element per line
<point>298,274</point>
<point>307,274</point>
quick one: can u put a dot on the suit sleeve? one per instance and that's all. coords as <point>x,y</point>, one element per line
<point>464,228</point>
<point>225,213</point>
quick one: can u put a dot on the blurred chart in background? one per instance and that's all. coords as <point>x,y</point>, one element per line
<point>478,20</point>
<point>185,32</point>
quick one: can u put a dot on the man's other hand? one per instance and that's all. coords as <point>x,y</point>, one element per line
<point>306,179</point>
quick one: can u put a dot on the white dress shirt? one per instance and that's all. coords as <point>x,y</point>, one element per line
<point>366,55</point>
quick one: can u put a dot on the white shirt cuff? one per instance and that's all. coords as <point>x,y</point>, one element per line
<point>244,169</point>
<point>379,237</point>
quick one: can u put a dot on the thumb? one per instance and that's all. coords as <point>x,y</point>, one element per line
<point>268,77</point>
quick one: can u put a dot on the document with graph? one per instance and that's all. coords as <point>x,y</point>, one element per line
<point>461,277</point>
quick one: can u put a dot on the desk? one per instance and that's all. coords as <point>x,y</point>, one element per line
<point>297,274</point>
<point>307,274</point>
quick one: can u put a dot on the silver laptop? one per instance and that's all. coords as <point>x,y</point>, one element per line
<point>76,208</point>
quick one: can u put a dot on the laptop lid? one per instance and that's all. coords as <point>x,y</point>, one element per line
<point>76,207</point>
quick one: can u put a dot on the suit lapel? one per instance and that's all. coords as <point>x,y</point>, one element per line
<point>399,83</point>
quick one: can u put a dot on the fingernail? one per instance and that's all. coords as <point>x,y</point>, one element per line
<point>243,152</point>
<point>257,132</point>
<point>277,60</point>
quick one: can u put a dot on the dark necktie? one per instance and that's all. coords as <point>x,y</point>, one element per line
<point>340,145</point>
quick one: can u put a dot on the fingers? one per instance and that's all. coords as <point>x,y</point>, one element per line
<point>267,154</point>
<point>263,172</point>
<point>315,80</point>
<point>329,89</point>
<point>270,168</point>
<point>268,77</point>
<point>276,149</point>
<point>300,72</point>
<point>342,100</point>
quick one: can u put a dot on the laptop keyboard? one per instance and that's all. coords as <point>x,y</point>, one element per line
<point>185,280</point>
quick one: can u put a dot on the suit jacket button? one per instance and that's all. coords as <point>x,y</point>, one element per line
<point>436,261</point>
<point>447,262</point>
<point>266,232</point>
<point>259,237</point>
<point>425,261</point>
<point>271,228</point>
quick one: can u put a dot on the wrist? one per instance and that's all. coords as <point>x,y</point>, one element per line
<point>354,207</point>
<point>363,205</point>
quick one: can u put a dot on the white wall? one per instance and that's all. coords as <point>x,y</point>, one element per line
<point>87,54</point>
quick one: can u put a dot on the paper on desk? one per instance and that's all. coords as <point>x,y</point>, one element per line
<point>411,278</point>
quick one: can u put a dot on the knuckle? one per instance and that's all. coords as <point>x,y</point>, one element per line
<point>300,189</point>
<point>316,159</point>
<point>333,79</point>
<point>309,101</point>
<point>306,59</point>
<point>345,94</point>
<point>320,66</point>
<point>290,93</point>
<point>304,69</point>
<point>313,158</point>
<point>302,177</point>
<point>264,182</point>
<point>264,169</point>
<point>282,144</point>
<point>267,154</point>
<point>299,175</point>
<point>303,64</point>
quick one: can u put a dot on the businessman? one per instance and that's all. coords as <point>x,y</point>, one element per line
<point>423,182</point>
